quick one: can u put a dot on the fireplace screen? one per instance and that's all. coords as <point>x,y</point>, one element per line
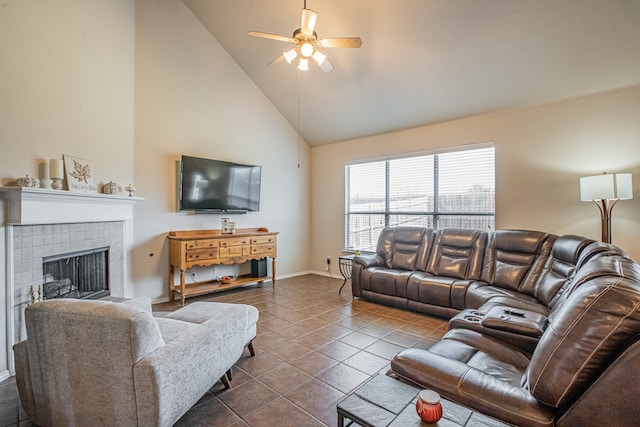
<point>76,275</point>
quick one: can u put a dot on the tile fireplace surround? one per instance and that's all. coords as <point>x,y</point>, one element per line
<point>40,223</point>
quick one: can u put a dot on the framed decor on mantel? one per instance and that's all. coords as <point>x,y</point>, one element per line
<point>79,173</point>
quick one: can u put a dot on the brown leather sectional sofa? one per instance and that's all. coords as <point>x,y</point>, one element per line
<point>544,330</point>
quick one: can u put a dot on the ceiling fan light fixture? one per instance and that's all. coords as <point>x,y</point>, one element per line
<point>308,23</point>
<point>306,50</point>
<point>304,64</point>
<point>290,55</point>
<point>305,41</point>
<point>319,57</point>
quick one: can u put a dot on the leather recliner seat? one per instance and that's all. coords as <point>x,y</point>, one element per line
<point>544,330</point>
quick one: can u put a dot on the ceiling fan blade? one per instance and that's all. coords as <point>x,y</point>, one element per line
<point>353,42</point>
<point>309,18</point>
<point>277,60</point>
<point>270,36</point>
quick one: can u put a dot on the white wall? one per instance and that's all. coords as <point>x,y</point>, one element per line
<point>71,73</point>
<point>541,153</point>
<point>66,87</point>
<point>192,98</point>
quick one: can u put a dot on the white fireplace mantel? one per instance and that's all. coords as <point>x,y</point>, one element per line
<point>29,206</point>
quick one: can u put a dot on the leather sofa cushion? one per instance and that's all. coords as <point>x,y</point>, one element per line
<point>437,290</point>
<point>424,287</point>
<point>385,281</point>
<point>412,247</point>
<point>480,294</point>
<point>405,248</point>
<point>510,256</point>
<point>404,255</point>
<point>457,253</point>
<point>477,371</point>
<point>596,319</point>
<point>559,267</point>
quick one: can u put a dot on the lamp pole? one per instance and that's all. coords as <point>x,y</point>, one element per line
<point>606,206</point>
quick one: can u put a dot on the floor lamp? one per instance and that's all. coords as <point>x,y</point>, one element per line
<point>605,190</point>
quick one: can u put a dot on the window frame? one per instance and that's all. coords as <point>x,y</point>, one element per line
<point>434,214</point>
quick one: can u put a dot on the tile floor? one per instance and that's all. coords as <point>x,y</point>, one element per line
<point>313,347</point>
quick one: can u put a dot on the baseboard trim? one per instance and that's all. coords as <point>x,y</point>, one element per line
<point>267,279</point>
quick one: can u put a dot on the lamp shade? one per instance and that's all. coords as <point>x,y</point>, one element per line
<point>606,187</point>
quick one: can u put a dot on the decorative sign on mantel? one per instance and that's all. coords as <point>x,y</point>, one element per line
<point>80,176</point>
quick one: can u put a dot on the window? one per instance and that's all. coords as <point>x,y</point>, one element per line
<point>453,189</point>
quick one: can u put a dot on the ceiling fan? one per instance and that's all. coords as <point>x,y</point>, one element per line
<point>306,43</point>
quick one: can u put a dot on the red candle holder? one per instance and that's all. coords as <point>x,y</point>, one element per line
<point>428,406</point>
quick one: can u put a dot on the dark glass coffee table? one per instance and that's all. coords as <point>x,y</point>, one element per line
<point>385,402</point>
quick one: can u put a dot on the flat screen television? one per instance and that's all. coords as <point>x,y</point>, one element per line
<point>207,185</point>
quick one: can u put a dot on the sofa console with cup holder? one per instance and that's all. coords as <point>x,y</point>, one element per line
<point>544,330</point>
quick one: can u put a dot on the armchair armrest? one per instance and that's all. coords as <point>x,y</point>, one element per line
<point>23,379</point>
<point>173,377</point>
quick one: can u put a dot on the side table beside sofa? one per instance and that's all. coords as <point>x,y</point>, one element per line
<point>88,362</point>
<point>544,329</point>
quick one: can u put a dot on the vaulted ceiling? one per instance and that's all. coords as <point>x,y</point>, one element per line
<point>427,61</point>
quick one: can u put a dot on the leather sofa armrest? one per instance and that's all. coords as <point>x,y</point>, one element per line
<point>369,260</point>
<point>509,319</point>
<point>473,320</point>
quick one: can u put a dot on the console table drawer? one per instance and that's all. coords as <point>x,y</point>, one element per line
<point>202,254</point>
<point>262,249</point>
<point>240,241</point>
<point>201,244</point>
<point>234,251</point>
<point>262,240</point>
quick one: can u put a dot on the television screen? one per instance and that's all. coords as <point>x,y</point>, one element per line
<point>215,185</point>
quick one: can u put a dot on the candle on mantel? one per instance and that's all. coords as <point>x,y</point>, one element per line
<point>55,168</point>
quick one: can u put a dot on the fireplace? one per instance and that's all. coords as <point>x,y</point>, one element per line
<point>33,245</point>
<point>41,224</point>
<point>83,274</point>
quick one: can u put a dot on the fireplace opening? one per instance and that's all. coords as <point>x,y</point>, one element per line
<point>82,274</point>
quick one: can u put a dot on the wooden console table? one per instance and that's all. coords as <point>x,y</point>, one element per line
<point>211,247</point>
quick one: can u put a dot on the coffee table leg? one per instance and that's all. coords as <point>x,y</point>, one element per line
<point>340,421</point>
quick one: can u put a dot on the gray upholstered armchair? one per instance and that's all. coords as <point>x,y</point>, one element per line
<point>114,364</point>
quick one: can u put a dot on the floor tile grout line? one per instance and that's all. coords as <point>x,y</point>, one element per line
<point>306,305</point>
